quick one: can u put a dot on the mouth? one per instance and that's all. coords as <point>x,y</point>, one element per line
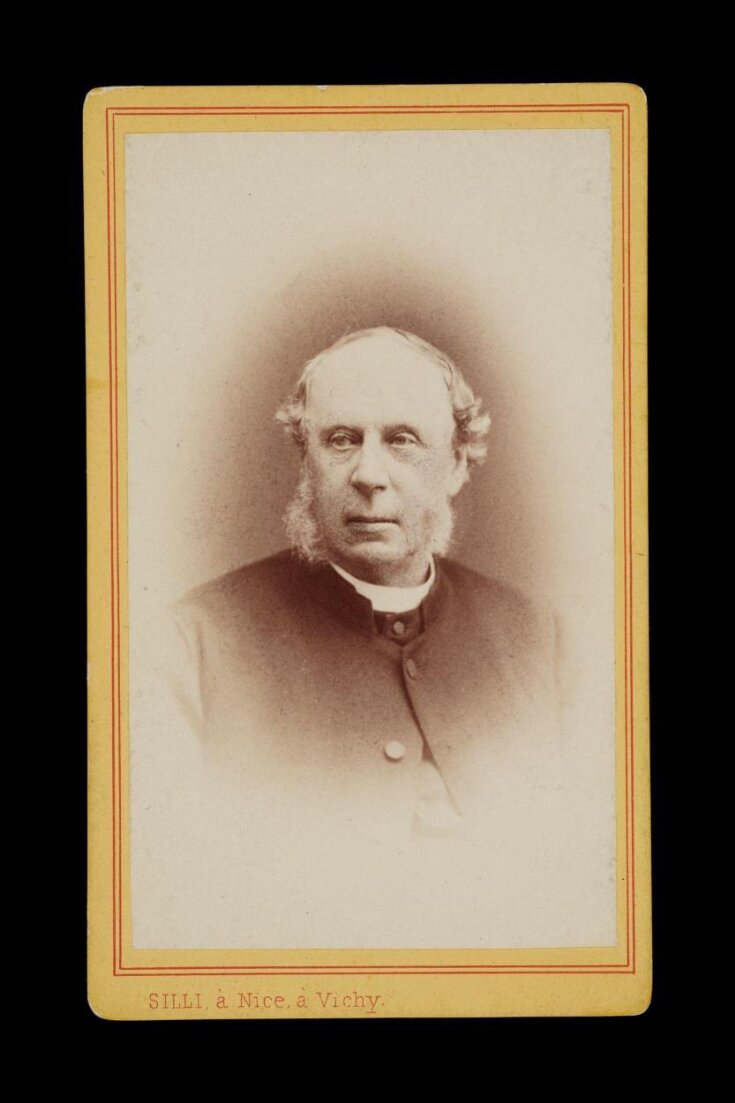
<point>358,522</point>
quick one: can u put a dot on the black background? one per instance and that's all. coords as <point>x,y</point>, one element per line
<point>611,1044</point>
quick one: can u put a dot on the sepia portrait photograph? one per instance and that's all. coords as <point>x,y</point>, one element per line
<point>370,594</point>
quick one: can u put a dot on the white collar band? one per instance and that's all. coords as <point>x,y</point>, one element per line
<point>390,599</point>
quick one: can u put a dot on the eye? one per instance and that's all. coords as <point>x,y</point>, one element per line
<point>404,439</point>
<point>341,441</point>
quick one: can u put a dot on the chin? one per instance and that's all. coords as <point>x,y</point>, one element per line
<point>372,555</point>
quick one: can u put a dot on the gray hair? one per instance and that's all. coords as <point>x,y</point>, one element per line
<point>471,426</point>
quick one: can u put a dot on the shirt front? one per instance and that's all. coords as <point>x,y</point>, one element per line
<point>397,616</point>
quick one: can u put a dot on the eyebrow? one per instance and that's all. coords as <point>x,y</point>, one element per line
<point>403,427</point>
<point>387,430</point>
<point>338,427</point>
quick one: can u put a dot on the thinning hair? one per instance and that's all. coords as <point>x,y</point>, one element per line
<point>471,424</point>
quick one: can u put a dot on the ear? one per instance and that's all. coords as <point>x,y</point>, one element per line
<point>460,474</point>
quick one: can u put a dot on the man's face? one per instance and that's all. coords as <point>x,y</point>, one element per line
<point>379,458</point>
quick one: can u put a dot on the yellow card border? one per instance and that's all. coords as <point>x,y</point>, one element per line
<point>125,983</point>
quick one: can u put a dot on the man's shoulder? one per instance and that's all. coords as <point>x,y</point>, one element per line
<point>285,573</point>
<point>252,584</point>
<point>477,585</point>
<point>250,576</point>
<point>268,593</point>
<point>491,599</point>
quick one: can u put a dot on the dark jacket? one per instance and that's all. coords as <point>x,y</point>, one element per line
<point>297,692</point>
<point>279,809</point>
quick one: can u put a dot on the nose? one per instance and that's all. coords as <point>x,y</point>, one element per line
<point>370,471</point>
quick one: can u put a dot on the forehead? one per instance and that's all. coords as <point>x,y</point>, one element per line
<point>379,381</point>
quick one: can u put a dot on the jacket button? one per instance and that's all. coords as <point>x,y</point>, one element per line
<point>399,627</point>
<point>411,668</point>
<point>394,750</point>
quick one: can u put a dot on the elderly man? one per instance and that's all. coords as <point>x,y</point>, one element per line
<point>378,678</point>
<point>363,703</point>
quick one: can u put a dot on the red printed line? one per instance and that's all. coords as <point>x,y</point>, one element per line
<point>630,552</point>
<point>630,871</point>
<point>365,967</point>
<point>117,548</point>
<point>115,536</point>
<point>372,111</point>
<point>112,542</point>
<point>626,561</point>
<point>405,972</point>
<point>114,521</point>
<point>118,968</point>
<point>212,110</point>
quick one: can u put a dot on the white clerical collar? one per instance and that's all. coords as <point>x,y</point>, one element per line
<point>390,599</point>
